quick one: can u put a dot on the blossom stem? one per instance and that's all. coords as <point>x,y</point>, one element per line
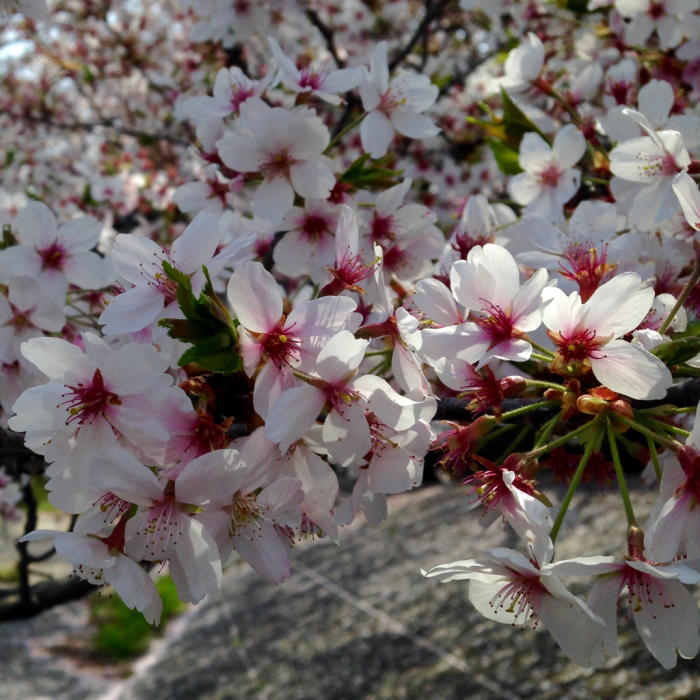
<point>547,430</point>
<point>660,425</point>
<point>512,446</point>
<point>343,132</point>
<point>689,286</point>
<point>631,520</point>
<point>654,458</point>
<point>541,348</point>
<point>668,410</point>
<point>666,441</point>
<point>541,358</point>
<point>524,409</point>
<point>547,385</point>
<point>576,480</point>
<point>562,440</point>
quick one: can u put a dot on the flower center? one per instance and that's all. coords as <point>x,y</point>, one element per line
<point>549,177</point>
<point>313,226</point>
<point>278,164</point>
<point>578,347</point>
<point>586,267</point>
<point>53,257</point>
<point>498,325</point>
<point>281,346</point>
<point>87,401</point>
<point>519,596</point>
<point>311,79</point>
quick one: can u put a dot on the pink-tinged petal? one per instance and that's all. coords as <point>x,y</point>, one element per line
<point>630,370</point>
<point>524,188</point>
<point>195,563</point>
<point>376,132</point>
<point>466,341</point>
<point>347,437</point>
<point>132,311</point>
<point>57,358</point>
<point>639,159</point>
<point>580,637</point>
<point>510,350</point>
<point>260,545</point>
<point>117,470</point>
<point>655,100</point>
<point>283,498</point>
<point>86,270</point>
<point>535,153</point>
<point>569,146</point>
<point>269,385</point>
<point>379,66</point>
<point>561,313</point>
<point>618,306</point>
<point>83,550</point>
<point>340,356</point>
<point>465,569</point>
<point>392,409</point>
<point>273,198</point>
<point>667,621</point>
<point>293,414</point>
<point>209,479</point>
<point>131,253</point>
<point>255,297</point>
<point>35,224</point>
<point>342,80</point>
<point>136,589</point>
<point>526,309</point>
<point>369,94</point>
<point>316,320</point>
<point>132,368</point>
<point>662,538</point>
<point>602,600</point>
<point>413,125</point>
<point>653,204</point>
<point>80,234</point>
<point>21,260</point>
<point>688,195</point>
<point>582,566</point>
<point>240,152</point>
<point>436,303</point>
<point>197,244</point>
<point>389,201</point>
<point>313,178</point>
<point>394,471</point>
<point>192,196</point>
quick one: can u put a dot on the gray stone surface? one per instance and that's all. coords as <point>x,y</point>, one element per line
<point>359,621</point>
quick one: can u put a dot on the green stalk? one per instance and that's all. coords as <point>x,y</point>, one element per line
<point>546,385</point>
<point>524,409</point>
<point>689,286</point>
<point>654,458</point>
<point>631,520</point>
<point>344,131</point>
<point>667,442</point>
<point>575,481</point>
<point>562,440</point>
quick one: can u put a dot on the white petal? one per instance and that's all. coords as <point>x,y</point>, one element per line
<point>376,132</point>
<point>632,371</point>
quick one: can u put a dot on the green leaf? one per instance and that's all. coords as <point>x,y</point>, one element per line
<point>516,122</point>
<point>372,176</point>
<point>506,157</point>
<point>678,351</point>
<point>206,326</point>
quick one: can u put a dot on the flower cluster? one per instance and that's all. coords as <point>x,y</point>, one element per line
<point>358,254</point>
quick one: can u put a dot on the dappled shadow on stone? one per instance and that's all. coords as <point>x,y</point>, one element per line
<point>359,621</point>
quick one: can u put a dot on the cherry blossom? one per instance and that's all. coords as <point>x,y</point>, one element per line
<point>394,104</point>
